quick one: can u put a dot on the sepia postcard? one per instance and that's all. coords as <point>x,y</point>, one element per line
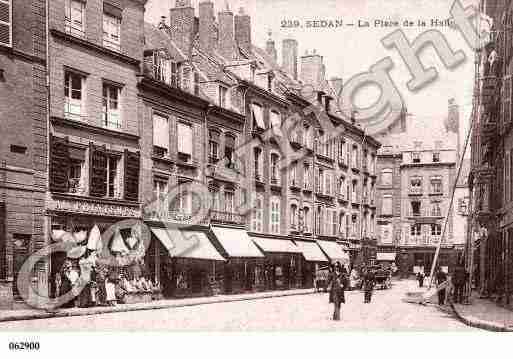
<point>255,165</point>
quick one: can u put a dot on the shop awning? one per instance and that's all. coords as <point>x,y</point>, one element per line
<point>311,251</point>
<point>236,242</point>
<point>383,256</point>
<point>187,244</point>
<point>274,245</point>
<point>334,251</point>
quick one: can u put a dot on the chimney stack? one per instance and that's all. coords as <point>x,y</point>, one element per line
<point>289,57</point>
<point>181,21</point>
<point>243,30</point>
<point>226,40</point>
<point>270,48</point>
<point>312,69</point>
<point>206,25</point>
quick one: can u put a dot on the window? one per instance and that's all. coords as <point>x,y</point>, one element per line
<point>229,201</point>
<point>307,139</point>
<point>416,157</point>
<point>214,196</point>
<point>258,118</point>
<point>160,135</point>
<point>334,223</point>
<point>184,136</point>
<point>275,120</point>
<point>341,186</point>
<point>186,79</point>
<point>415,208</point>
<point>76,173</point>
<point>275,159</point>
<point>436,156</point>
<point>160,194</point>
<point>257,152</point>
<point>213,146</point>
<point>354,224</point>
<point>416,185</point>
<point>436,229</point>
<point>415,229</point>
<point>275,214</point>
<point>386,233</point>
<point>6,22</point>
<point>293,174</point>
<point>341,151</point>
<point>307,176</point>
<point>74,17</point>
<point>436,210</point>
<point>111,114</point>
<point>113,180</point>
<point>223,92</point>
<point>320,181</point>
<point>183,202</point>
<point>293,217</point>
<point>307,220</point>
<point>327,187</point>
<point>386,177</point>
<point>111,32</point>
<point>507,174</point>
<point>73,97</point>
<point>436,185</point>
<point>269,81</point>
<point>354,190</point>
<point>229,150</point>
<point>387,205</point>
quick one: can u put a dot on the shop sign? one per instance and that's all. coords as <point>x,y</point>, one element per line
<point>91,208</point>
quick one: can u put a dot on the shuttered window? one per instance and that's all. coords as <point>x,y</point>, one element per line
<point>132,168</point>
<point>111,112</point>
<point>184,136</point>
<point>161,132</point>
<point>74,17</point>
<point>97,170</point>
<point>6,22</point>
<point>59,164</point>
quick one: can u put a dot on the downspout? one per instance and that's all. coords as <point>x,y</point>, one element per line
<point>46,221</point>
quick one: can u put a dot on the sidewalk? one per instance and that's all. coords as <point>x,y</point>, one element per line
<point>29,314</point>
<point>485,314</point>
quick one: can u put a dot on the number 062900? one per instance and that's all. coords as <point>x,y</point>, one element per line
<point>24,346</point>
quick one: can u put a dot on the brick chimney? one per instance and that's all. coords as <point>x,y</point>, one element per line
<point>206,25</point>
<point>289,57</point>
<point>243,29</point>
<point>181,21</point>
<point>312,69</point>
<point>226,42</point>
<point>270,48</point>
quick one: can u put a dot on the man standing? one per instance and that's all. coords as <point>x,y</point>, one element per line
<point>420,278</point>
<point>459,280</point>
<point>368,285</point>
<point>441,277</point>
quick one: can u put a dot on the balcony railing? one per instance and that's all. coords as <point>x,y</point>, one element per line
<point>226,217</point>
<point>415,191</point>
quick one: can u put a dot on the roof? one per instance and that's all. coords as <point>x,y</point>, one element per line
<point>158,39</point>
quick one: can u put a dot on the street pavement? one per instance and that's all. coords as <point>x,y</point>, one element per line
<point>387,312</point>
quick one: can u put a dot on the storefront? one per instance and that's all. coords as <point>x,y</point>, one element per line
<point>313,258</point>
<point>244,270</point>
<point>188,263</point>
<point>282,265</point>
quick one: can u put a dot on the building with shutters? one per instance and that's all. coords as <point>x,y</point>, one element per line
<point>95,51</point>
<point>415,182</point>
<point>23,170</point>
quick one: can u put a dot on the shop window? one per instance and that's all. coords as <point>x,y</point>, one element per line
<point>74,17</point>
<point>160,135</point>
<point>275,214</point>
<point>112,27</point>
<point>73,95</point>
<point>111,112</point>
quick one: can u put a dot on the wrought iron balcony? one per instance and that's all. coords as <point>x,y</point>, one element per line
<point>226,217</point>
<point>415,191</point>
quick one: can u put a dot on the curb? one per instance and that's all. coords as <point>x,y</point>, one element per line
<point>476,323</point>
<point>133,308</point>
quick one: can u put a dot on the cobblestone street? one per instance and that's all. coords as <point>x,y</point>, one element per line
<point>302,312</point>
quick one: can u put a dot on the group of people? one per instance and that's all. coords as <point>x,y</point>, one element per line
<point>458,280</point>
<point>339,281</point>
<point>96,284</point>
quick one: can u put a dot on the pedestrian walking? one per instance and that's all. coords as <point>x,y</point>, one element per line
<point>441,277</point>
<point>420,278</point>
<point>338,283</point>
<point>459,279</point>
<point>368,285</point>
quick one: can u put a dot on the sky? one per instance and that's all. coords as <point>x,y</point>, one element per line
<point>349,50</point>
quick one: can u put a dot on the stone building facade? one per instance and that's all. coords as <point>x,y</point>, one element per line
<point>23,149</point>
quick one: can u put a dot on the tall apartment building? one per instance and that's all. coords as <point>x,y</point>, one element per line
<point>23,124</point>
<point>492,160</point>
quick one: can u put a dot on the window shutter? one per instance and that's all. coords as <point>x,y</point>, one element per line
<point>132,167</point>
<point>97,170</point>
<point>506,101</point>
<point>6,22</point>
<point>59,164</point>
